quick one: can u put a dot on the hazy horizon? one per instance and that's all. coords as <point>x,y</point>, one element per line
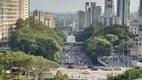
<point>71,5</point>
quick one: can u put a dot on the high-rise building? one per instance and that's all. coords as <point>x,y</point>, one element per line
<point>46,18</point>
<point>80,20</point>
<point>98,12</point>
<point>140,8</point>
<point>123,11</point>
<point>92,13</point>
<point>89,13</point>
<point>109,8</point>
<point>10,11</point>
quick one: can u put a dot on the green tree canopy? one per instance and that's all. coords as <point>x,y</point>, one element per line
<point>127,75</point>
<point>33,37</point>
<point>97,47</point>
<point>90,31</point>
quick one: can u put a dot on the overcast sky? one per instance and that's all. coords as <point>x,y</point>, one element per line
<point>70,5</point>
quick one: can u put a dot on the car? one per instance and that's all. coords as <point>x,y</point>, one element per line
<point>117,68</point>
<point>107,68</point>
<point>70,67</point>
<point>84,67</point>
<point>86,72</point>
<point>138,67</point>
<point>101,67</point>
<point>90,66</point>
<point>95,69</point>
<point>110,68</point>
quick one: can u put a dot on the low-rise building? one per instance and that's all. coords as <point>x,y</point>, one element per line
<point>107,21</point>
<point>46,18</point>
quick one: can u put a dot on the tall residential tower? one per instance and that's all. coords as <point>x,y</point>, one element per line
<point>140,8</point>
<point>109,8</point>
<point>92,13</point>
<point>123,11</point>
<point>10,11</point>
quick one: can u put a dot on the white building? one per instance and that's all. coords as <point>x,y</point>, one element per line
<point>10,11</point>
<point>71,38</point>
<point>107,21</point>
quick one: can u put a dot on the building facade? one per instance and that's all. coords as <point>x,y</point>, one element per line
<point>46,18</point>
<point>90,8</point>
<point>80,20</point>
<point>92,13</point>
<point>140,8</point>
<point>98,12</point>
<point>10,11</point>
<point>108,21</point>
<point>109,8</point>
<point>123,11</point>
<point>134,27</point>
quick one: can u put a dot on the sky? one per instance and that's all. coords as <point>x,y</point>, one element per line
<point>71,5</point>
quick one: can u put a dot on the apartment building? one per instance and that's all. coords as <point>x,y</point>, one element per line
<point>10,11</point>
<point>123,11</point>
<point>109,8</point>
<point>45,17</point>
<point>108,21</point>
<point>109,18</point>
<point>80,20</point>
<point>92,13</point>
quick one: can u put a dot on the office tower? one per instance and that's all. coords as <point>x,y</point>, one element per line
<point>123,11</point>
<point>80,20</point>
<point>109,8</point>
<point>46,18</point>
<point>98,12</point>
<point>140,8</point>
<point>90,13</point>
<point>10,11</point>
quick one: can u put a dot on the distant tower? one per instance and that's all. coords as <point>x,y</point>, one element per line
<point>64,21</point>
<point>90,13</point>
<point>123,11</point>
<point>109,8</point>
<point>140,8</point>
<point>140,13</point>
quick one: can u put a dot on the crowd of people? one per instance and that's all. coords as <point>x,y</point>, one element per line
<point>73,54</point>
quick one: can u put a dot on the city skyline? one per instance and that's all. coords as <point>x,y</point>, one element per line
<point>72,5</point>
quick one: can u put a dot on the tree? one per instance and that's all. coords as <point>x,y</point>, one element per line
<point>32,36</point>
<point>60,76</point>
<point>26,63</point>
<point>127,75</point>
<point>90,31</point>
<point>65,77</point>
<point>111,38</point>
<point>97,47</point>
<point>20,24</point>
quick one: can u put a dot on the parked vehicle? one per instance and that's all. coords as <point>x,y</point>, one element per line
<point>70,67</point>
<point>117,68</point>
<point>95,69</point>
<point>90,67</point>
<point>86,72</point>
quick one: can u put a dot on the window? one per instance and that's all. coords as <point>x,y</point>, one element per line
<point>136,44</point>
